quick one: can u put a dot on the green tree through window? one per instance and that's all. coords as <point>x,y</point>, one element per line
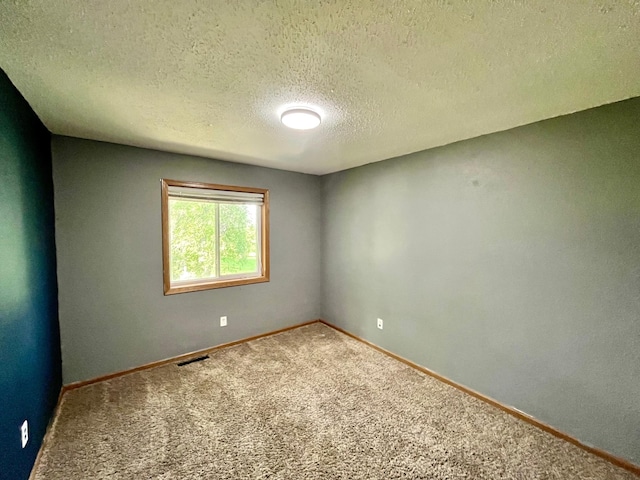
<point>238,247</point>
<point>193,239</point>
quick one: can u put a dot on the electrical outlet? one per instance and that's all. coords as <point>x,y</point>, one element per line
<point>24,433</point>
<point>380,323</point>
<point>223,321</point>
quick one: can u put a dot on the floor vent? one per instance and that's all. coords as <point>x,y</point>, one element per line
<point>192,360</point>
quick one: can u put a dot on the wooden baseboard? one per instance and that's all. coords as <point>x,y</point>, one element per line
<point>179,358</point>
<point>47,434</point>
<point>620,462</point>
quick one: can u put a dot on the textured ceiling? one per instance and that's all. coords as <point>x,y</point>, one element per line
<point>389,77</point>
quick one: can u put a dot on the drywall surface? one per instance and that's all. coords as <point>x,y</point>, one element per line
<point>509,263</point>
<point>113,314</point>
<point>29,337</point>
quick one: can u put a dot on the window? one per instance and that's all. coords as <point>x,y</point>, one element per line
<point>213,236</point>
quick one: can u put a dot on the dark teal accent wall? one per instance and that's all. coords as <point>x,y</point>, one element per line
<point>30,365</point>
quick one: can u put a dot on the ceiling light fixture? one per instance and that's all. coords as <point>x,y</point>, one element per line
<point>300,118</point>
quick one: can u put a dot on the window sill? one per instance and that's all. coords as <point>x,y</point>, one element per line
<point>199,286</point>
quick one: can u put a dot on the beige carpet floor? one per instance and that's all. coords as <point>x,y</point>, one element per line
<point>310,403</point>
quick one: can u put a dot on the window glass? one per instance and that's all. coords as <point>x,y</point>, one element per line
<point>213,236</point>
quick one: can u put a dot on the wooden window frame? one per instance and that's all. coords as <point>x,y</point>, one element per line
<point>200,285</point>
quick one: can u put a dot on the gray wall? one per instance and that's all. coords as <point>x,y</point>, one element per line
<point>509,263</point>
<point>113,314</point>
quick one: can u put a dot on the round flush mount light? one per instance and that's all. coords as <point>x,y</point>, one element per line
<point>300,118</point>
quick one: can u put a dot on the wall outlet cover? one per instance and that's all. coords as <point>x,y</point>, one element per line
<point>380,323</point>
<point>223,321</point>
<point>24,433</point>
